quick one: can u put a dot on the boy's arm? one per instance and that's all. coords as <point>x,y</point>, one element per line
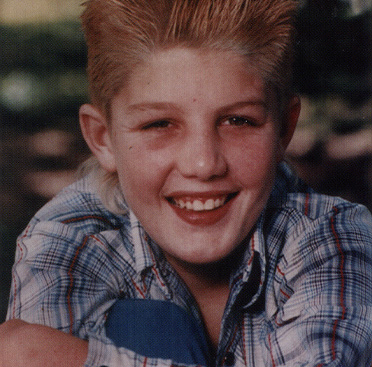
<point>23,344</point>
<point>68,281</point>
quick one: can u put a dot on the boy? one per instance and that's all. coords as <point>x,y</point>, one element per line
<point>187,203</point>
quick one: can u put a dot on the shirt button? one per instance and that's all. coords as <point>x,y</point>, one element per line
<point>229,359</point>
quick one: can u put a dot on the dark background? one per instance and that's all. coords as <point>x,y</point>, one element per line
<point>42,85</point>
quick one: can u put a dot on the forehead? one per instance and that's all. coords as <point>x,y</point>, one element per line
<point>193,74</point>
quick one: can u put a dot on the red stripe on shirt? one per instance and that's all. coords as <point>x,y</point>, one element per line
<point>277,322</point>
<point>271,352</point>
<point>138,289</point>
<point>334,340</point>
<point>285,294</point>
<point>155,269</point>
<point>280,271</point>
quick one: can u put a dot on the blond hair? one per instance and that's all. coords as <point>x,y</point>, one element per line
<point>121,34</point>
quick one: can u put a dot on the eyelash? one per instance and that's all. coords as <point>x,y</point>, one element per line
<point>156,125</point>
<point>238,121</point>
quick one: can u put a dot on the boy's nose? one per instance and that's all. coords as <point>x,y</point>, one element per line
<point>202,157</point>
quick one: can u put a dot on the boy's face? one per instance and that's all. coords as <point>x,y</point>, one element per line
<point>195,143</point>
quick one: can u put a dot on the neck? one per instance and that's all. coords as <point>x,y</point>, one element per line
<point>210,286</point>
<point>207,276</point>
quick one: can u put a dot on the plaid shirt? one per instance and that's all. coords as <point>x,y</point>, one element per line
<point>302,295</point>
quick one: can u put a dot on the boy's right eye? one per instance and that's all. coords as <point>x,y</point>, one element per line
<point>156,125</point>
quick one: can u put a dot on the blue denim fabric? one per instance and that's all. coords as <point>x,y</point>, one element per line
<point>157,329</point>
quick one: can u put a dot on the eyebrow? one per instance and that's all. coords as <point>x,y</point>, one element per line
<point>159,106</point>
<point>242,104</point>
<point>166,106</point>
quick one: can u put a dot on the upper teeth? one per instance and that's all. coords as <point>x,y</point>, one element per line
<point>198,205</point>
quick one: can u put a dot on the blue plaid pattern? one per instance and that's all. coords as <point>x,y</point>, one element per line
<point>302,295</point>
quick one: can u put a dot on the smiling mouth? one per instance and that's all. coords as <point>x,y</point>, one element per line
<point>198,204</point>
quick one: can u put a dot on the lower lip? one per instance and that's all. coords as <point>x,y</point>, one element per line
<point>204,217</point>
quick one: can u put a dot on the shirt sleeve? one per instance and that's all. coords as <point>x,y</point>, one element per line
<point>67,280</point>
<point>323,294</point>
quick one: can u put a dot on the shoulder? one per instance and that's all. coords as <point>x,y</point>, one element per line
<point>316,213</point>
<point>80,205</point>
<point>74,250</point>
<point>294,200</point>
<point>299,220</point>
<point>75,228</point>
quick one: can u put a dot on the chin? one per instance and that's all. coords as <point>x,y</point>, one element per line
<point>202,256</point>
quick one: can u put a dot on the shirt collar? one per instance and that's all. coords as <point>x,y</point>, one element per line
<point>147,254</point>
<point>247,282</point>
<point>144,257</point>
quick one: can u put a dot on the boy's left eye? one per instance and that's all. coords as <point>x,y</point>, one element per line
<point>157,125</point>
<point>238,121</point>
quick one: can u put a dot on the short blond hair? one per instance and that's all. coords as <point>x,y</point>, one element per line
<point>121,34</point>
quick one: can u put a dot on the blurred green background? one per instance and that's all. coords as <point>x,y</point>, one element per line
<point>43,83</point>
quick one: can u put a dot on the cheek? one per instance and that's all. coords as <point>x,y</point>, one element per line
<point>139,168</point>
<point>254,159</point>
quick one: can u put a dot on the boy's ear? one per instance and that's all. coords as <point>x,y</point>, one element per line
<point>96,133</point>
<point>290,122</point>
